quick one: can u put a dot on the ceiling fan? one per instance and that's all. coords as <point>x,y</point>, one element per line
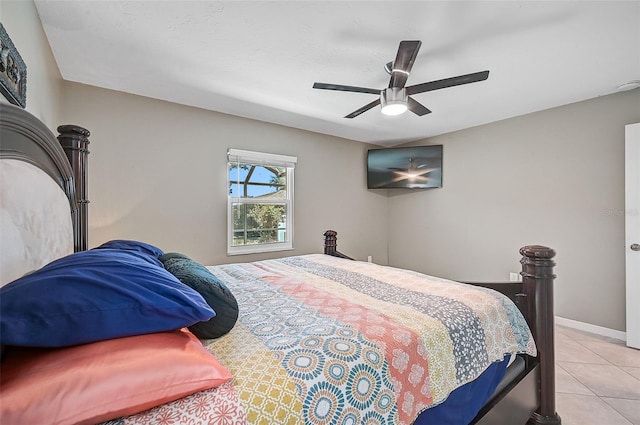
<point>396,99</point>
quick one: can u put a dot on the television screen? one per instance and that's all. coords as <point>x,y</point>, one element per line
<point>416,167</point>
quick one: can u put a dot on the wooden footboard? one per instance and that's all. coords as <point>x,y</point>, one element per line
<point>530,397</point>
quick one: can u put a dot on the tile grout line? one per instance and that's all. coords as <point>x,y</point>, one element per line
<point>593,393</point>
<point>619,367</point>
<point>614,408</point>
<point>581,343</point>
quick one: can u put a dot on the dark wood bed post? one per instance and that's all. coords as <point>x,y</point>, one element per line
<point>537,280</point>
<point>331,244</point>
<point>75,142</point>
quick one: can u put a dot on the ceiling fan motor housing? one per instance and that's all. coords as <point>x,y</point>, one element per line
<point>394,100</point>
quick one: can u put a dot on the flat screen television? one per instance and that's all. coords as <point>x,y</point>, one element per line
<point>415,167</point>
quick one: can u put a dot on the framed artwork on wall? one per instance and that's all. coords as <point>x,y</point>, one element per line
<point>13,71</point>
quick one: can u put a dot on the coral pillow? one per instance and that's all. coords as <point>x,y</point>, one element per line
<point>96,382</point>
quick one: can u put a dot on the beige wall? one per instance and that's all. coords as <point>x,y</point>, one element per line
<point>553,178</point>
<point>44,83</point>
<point>158,174</point>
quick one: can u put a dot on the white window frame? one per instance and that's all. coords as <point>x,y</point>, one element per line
<point>260,158</point>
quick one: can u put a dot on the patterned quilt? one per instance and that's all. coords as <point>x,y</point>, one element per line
<point>323,340</point>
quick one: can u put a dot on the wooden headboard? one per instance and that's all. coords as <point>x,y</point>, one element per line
<point>27,144</point>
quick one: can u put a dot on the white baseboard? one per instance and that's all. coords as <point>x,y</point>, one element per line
<point>594,329</point>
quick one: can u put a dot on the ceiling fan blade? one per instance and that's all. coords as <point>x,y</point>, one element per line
<point>407,52</point>
<point>339,87</point>
<point>365,108</point>
<point>417,107</point>
<point>448,82</point>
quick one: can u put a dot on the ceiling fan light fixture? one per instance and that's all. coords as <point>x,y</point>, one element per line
<point>394,101</point>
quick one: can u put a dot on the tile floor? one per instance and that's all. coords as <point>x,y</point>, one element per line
<point>597,379</point>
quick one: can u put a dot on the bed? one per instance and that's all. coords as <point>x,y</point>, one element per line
<point>312,339</point>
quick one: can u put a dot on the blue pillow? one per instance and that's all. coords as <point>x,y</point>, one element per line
<point>95,295</point>
<point>136,246</point>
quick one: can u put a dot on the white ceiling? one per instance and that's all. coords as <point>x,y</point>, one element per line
<point>260,59</point>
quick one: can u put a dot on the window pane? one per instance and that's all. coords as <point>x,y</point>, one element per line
<point>256,181</point>
<point>258,223</point>
<point>260,202</point>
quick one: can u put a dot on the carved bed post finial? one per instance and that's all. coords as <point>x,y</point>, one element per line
<point>75,142</point>
<point>537,279</point>
<point>330,242</point>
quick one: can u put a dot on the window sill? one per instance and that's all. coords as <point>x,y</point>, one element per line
<point>260,249</point>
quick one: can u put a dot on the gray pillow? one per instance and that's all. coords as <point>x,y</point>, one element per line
<point>215,293</point>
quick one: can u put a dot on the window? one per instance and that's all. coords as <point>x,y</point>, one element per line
<point>260,203</point>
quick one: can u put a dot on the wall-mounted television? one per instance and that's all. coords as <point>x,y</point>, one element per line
<point>415,167</point>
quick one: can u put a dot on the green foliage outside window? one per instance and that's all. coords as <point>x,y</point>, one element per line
<point>257,222</point>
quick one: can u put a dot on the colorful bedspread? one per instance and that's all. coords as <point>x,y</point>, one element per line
<point>322,340</point>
